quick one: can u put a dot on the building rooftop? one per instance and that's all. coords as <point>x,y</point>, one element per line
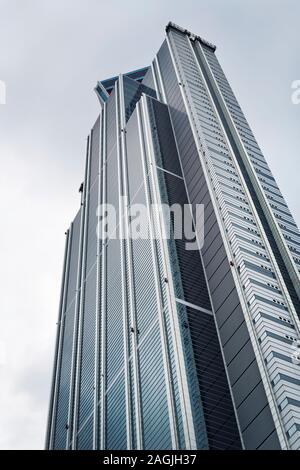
<point>105,87</point>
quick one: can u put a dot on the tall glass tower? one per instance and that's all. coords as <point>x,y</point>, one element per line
<point>158,346</point>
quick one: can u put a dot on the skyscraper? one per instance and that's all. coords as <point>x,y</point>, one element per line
<point>159,346</point>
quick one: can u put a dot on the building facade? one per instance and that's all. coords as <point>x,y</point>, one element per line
<point>160,347</point>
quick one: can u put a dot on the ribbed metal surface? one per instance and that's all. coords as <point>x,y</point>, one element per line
<point>61,423</point>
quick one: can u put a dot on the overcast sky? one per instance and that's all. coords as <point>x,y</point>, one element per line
<point>52,52</point>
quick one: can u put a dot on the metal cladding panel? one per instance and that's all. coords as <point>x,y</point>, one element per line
<point>87,345</point>
<point>278,205</point>
<point>198,194</point>
<point>175,384</point>
<point>192,285</point>
<point>172,191</point>
<point>216,400</point>
<point>115,391</point>
<point>148,80</point>
<point>73,267</point>
<point>91,242</point>
<point>57,355</point>
<point>259,430</point>
<point>87,369</point>
<point>132,93</point>
<point>189,261</point>
<point>192,288</point>
<point>286,225</point>
<point>65,362</point>
<point>95,142</point>
<point>247,382</point>
<point>161,123</point>
<point>229,186</point>
<point>114,313</point>
<point>153,391</point>
<point>245,409</point>
<point>64,384</point>
<point>156,426</point>
<point>232,323</point>
<point>115,410</point>
<point>114,328</point>
<point>236,195</point>
<point>146,307</point>
<point>134,160</point>
<point>154,404</point>
<point>111,129</point>
<point>271,443</point>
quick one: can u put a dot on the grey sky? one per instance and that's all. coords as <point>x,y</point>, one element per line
<point>52,52</point>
